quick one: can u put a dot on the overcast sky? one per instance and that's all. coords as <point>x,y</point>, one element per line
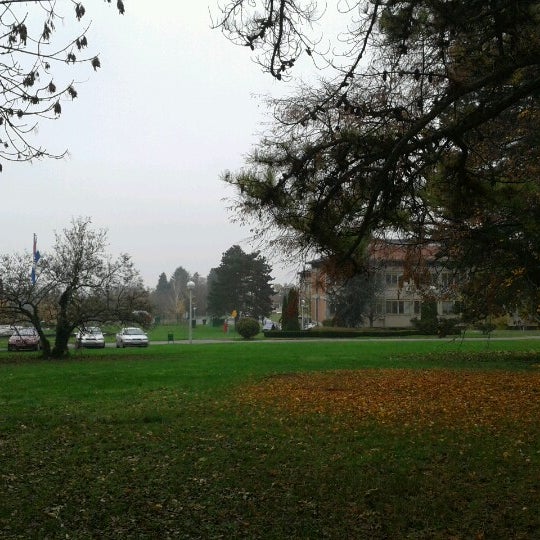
<point>171,108</point>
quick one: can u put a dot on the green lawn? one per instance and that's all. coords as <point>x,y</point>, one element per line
<point>273,440</point>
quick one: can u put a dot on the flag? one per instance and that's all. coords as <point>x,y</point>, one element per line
<point>35,258</point>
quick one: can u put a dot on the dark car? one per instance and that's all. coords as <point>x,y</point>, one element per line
<point>24,339</point>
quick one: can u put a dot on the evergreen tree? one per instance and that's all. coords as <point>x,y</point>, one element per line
<point>420,97</point>
<point>160,296</point>
<point>284,312</point>
<point>291,318</point>
<point>241,283</point>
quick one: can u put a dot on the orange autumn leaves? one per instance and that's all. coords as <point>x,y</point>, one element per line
<point>446,398</point>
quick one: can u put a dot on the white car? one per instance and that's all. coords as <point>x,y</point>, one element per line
<point>131,337</point>
<point>90,337</point>
<point>310,325</point>
<point>5,330</point>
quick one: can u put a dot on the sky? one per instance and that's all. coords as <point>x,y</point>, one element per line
<point>173,106</point>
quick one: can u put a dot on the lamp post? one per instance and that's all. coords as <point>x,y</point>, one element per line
<point>190,286</point>
<point>303,304</point>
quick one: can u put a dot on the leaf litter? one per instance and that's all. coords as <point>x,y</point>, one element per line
<point>447,398</point>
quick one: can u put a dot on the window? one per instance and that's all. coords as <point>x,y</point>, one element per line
<point>402,307</point>
<point>447,279</point>
<point>448,308</point>
<point>395,307</point>
<point>393,280</point>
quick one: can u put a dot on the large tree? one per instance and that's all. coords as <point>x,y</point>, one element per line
<point>415,92</point>
<point>76,283</point>
<point>240,283</point>
<point>489,222</point>
<point>39,39</point>
<point>160,296</point>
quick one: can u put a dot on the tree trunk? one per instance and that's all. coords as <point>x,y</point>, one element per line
<point>43,341</point>
<point>63,333</point>
<point>63,328</point>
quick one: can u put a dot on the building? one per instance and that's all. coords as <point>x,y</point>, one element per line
<point>406,275</point>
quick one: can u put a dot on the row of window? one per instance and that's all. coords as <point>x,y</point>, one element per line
<point>444,279</point>
<point>410,307</point>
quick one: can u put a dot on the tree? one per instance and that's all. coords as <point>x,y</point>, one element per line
<point>160,296</point>
<point>284,310</point>
<point>289,315</point>
<point>355,300</point>
<point>241,283</point>
<point>35,53</point>
<point>178,291</point>
<point>200,293</point>
<point>414,90</point>
<point>170,297</point>
<point>77,282</point>
<point>495,235</point>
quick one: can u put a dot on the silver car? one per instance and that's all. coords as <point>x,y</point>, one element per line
<point>131,337</point>
<point>90,337</point>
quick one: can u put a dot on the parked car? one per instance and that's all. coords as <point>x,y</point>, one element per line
<point>90,337</point>
<point>131,337</point>
<point>24,339</point>
<point>310,325</point>
<point>5,330</point>
<point>268,324</point>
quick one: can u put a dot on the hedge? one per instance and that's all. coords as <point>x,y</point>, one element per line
<point>340,333</point>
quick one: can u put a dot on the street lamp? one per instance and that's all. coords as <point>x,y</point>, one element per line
<point>303,304</point>
<point>190,286</point>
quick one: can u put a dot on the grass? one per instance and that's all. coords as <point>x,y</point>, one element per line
<point>273,440</point>
<point>200,332</point>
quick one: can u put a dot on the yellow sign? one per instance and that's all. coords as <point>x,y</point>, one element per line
<point>234,314</point>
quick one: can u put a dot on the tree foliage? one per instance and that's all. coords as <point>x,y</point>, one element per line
<point>37,50</point>
<point>426,117</point>
<point>241,283</point>
<point>495,234</point>
<point>355,300</point>
<point>77,283</point>
<point>160,296</point>
<point>289,314</point>
<point>170,297</point>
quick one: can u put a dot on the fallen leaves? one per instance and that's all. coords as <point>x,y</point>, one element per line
<point>464,399</point>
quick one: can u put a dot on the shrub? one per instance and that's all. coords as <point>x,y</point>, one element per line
<point>248,328</point>
<point>428,322</point>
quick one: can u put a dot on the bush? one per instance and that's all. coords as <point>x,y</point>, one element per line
<point>248,328</point>
<point>428,324</point>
